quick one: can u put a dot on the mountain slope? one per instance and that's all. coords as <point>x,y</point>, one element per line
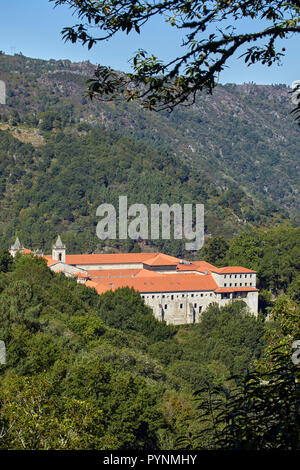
<point>61,156</point>
<point>242,133</point>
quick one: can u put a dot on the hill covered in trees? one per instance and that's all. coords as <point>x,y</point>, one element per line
<point>61,156</point>
<point>85,371</point>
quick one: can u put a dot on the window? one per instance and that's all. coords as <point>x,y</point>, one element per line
<point>225,284</point>
<point>172,297</point>
<point>166,306</point>
<point>181,305</point>
<point>59,257</point>
<point>195,305</point>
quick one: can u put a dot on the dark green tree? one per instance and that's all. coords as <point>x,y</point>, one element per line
<point>6,261</point>
<point>214,250</point>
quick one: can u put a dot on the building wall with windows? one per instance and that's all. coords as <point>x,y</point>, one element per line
<point>187,307</point>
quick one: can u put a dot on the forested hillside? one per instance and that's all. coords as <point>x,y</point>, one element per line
<point>61,156</point>
<point>242,133</point>
<point>89,371</point>
<point>85,371</point>
<point>274,254</point>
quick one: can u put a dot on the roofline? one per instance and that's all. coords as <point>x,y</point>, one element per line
<point>247,271</point>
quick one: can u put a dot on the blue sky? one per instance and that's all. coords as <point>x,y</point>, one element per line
<point>33,27</point>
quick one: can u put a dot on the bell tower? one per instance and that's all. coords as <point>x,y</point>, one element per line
<point>16,247</point>
<point>59,251</point>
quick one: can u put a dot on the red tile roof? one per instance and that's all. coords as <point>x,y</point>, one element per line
<point>162,260</point>
<point>114,258</point>
<point>234,270</point>
<point>203,266</point>
<point>235,289</point>
<point>145,280</point>
<point>108,273</point>
<point>167,283</point>
<point>83,276</point>
<point>91,284</point>
<point>147,273</point>
<point>49,260</point>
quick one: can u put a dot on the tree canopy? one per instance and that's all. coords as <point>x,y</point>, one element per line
<point>163,85</point>
<point>89,371</point>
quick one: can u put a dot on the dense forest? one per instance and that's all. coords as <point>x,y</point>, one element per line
<point>89,371</point>
<point>62,156</point>
<point>57,188</point>
<point>241,136</point>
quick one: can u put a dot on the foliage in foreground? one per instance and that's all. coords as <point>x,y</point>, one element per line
<point>263,411</point>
